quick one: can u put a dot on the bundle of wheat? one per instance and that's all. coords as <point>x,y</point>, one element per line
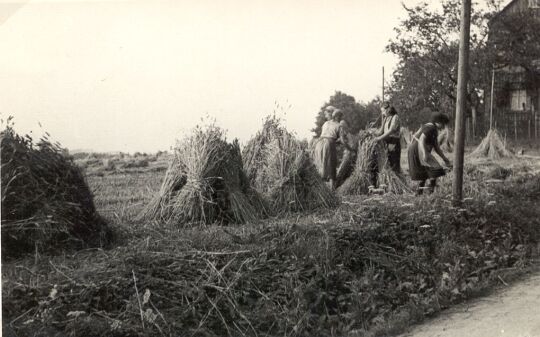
<point>366,163</point>
<point>405,137</point>
<point>492,146</point>
<point>372,158</point>
<point>348,160</point>
<point>46,202</point>
<point>204,183</point>
<point>254,151</point>
<point>346,167</point>
<point>280,168</point>
<point>390,181</point>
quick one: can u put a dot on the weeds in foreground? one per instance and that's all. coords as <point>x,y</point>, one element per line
<point>350,272</point>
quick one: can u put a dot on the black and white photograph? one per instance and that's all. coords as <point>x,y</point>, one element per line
<point>265,168</point>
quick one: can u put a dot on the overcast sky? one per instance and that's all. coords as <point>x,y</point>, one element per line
<point>136,75</point>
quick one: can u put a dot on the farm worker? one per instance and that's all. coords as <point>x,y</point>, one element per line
<point>328,112</point>
<point>390,134</point>
<point>346,166</point>
<point>422,164</point>
<point>325,152</point>
<point>327,116</point>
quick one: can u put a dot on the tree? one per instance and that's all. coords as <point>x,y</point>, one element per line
<point>515,40</point>
<point>427,45</point>
<point>354,113</point>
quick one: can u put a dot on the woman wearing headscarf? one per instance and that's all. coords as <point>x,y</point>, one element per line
<point>390,134</point>
<point>328,112</point>
<point>422,164</point>
<point>325,153</point>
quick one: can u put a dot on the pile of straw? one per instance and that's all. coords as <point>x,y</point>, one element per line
<point>46,202</point>
<point>367,161</point>
<point>205,183</point>
<point>492,146</point>
<point>390,181</point>
<point>406,137</point>
<point>372,156</point>
<point>280,169</point>
<point>348,160</point>
<point>346,167</point>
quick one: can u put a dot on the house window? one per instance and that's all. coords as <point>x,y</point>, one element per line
<point>534,3</point>
<point>519,100</point>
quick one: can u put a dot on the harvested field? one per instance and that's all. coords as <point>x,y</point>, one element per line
<point>375,260</point>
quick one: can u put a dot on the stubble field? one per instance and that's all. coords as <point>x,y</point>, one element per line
<point>369,268</point>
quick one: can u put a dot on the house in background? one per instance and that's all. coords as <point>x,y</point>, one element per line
<point>516,101</point>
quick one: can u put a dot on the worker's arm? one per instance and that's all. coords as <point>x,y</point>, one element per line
<point>438,150</point>
<point>394,126</point>
<point>426,158</point>
<point>380,130</point>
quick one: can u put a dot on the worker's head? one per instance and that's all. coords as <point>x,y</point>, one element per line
<point>440,120</point>
<point>387,109</point>
<point>328,112</point>
<point>337,115</point>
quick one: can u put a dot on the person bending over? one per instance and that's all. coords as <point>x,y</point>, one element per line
<point>422,164</point>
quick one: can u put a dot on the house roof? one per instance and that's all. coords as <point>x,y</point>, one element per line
<point>504,10</point>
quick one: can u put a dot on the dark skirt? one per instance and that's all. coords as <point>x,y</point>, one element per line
<point>394,153</point>
<point>417,171</point>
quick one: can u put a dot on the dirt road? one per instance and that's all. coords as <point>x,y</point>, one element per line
<point>510,312</point>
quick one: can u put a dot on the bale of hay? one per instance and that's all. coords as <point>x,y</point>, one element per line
<point>46,202</point>
<point>492,147</point>
<point>281,170</point>
<point>205,183</point>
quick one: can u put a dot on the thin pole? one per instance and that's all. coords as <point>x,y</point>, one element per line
<point>382,97</point>
<point>529,126</point>
<point>459,138</point>
<point>491,99</point>
<point>515,127</point>
<point>535,125</point>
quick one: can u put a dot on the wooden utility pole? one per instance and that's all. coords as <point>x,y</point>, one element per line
<point>459,138</point>
<point>491,99</point>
